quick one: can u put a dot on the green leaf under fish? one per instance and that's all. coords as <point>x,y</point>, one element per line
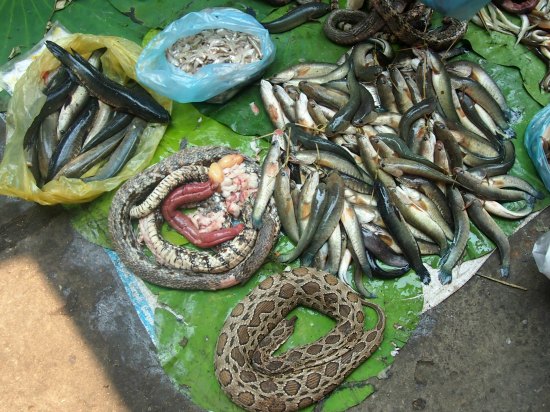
<point>160,13</point>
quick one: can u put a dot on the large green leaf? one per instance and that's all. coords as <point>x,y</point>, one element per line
<point>159,13</point>
<point>501,49</point>
<point>101,18</point>
<point>23,24</point>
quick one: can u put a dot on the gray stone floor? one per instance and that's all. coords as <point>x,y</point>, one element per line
<point>483,349</point>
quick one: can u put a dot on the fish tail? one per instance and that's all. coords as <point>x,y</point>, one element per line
<point>505,271</point>
<point>445,276</point>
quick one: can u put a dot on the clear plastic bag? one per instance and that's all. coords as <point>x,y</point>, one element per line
<point>15,177</point>
<point>154,71</point>
<point>541,254</point>
<point>459,9</point>
<point>533,142</point>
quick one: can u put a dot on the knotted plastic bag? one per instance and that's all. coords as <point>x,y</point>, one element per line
<point>459,9</point>
<point>533,143</point>
<point>212,80</point>
<point>15,177</point>
<point>541,254</point>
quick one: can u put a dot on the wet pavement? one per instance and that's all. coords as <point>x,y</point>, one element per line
<point>483,349</point>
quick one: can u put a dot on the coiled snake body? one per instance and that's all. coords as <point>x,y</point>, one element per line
<point>231,263</point>
<point>404,24</point>
<point>301,376</point>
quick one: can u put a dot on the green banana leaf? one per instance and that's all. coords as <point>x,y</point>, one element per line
<point>24,23</point>
<point>498,48</point>
<point>158,14</point>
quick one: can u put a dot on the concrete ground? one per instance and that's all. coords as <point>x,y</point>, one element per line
<point>71,341</point>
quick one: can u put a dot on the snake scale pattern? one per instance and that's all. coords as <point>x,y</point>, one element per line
<point>190,274</point>
<point>256,327</point>
<point>404,24</point>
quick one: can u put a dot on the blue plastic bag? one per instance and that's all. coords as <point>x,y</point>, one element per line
<point>533,142</point>
<point>459,9</point>
<point>210,81</point>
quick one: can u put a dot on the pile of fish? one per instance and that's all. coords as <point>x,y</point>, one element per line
<point>383,158</point>
<point>88,121</point>
<point>214,46</point>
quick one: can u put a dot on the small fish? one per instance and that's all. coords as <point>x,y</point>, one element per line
<point>47,142</point>
<point>77,98</point>
<point>418,217</point>
<point>136,100</point>
<point>513,182</point>
<point>272,105</point>
<point>355,239</point>
<point>54,100</point>
<point>472,183</point>
<point>380,249</point>
<point>317,209</point>
<point>343,117</point>
<point>303,71</point>
<point>401,92</point>
<point>285,207</point>
<point>331,216</point>
<point>298,16</point>
<point>85,161</point>
<point>325,96</point>
<point>431,190</point>
<point>327,159</point>
<point>124,151</point>
<point>303,211</point>
<point>473,70</point>
<point>399,231</point>
<point>102,117</point>
<point>384,89</point>
<point>500,167</point>
<point>287,103</point>
<point>338,73</point>
<point>69,146</point>
<point>462,231</point>
<point>489,228</point>
<point>415,112</point>
<point>301,113</point>
<point>270,170</point>
<point>443,134</point>
<point>441,82</point>
<point>118,122</point>
<point>334,251</point>
<point>399,167</point>
<point>481,97</point>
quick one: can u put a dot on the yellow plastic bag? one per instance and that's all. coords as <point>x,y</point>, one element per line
<point>27,100</point>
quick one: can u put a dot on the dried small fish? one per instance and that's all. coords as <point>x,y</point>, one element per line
<point>214,46</point>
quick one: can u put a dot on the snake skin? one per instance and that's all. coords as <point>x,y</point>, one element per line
<point>303,375</point>
<point>126,243</point>
<point>406,25</point>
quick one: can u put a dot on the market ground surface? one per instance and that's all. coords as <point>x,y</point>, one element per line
<point>71,340</point>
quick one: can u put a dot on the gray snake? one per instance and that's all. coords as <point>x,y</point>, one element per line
<point>400,21</point>
<point>126,242</point>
